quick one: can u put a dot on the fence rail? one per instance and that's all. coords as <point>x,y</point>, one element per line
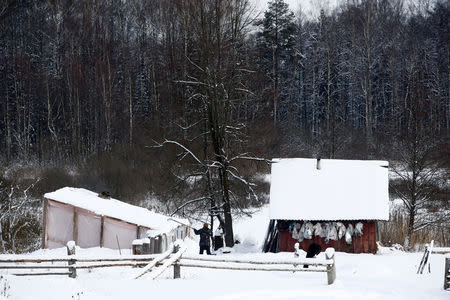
<point>156,264</point>
<point>319,265</point>
<point>71,263</point>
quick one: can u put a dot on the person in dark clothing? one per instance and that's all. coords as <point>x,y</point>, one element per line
<point>205,239</point>
<point>313,250</point>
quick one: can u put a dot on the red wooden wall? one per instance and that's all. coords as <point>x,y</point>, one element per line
<point>363,244</point>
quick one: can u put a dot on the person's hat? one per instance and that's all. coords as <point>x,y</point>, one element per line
<point>205,224</point>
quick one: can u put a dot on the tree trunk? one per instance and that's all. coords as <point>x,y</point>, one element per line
<point>409,230</point>
<point>130,108</point>
<point>8,129</point>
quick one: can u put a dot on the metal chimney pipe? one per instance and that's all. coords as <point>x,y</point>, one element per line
<point>318,163</point>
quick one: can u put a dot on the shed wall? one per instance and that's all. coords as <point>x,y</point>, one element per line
<point>117,233</point>
<point>59,225</point>
<point>363,244</point>
<point>89,227</point>
<point>64,222</point>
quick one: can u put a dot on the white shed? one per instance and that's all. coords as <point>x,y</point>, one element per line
<point>92,220</point>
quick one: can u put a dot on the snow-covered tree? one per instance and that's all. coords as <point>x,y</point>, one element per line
<point>218,82</point>
<point>277,41</point>
<point>19,216</point>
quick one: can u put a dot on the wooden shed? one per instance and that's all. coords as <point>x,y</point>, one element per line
<point>321,194</point>
<point>93,220</point>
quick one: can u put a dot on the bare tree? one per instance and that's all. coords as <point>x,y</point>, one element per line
<point>17,214</point>
<point>217,84</point>
<point>421,173</point>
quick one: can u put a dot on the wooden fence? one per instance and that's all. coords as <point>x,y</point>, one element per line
<point>70,264</point>
<point>296,265</point>
<point>154,265</point>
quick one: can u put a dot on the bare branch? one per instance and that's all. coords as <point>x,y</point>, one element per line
<point>189,202</point>
<point>181,146</point>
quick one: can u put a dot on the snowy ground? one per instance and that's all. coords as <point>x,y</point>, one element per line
<point>388,275</point>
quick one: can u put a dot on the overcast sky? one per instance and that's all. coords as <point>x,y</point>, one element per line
<point>309,7</point>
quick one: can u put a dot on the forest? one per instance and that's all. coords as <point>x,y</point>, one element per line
<point>179,105</point>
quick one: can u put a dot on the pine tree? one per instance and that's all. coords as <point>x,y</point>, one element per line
<point>277,40</point>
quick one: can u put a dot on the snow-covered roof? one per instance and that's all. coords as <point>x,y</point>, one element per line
<point>339,190</point>
<point>88,200</point>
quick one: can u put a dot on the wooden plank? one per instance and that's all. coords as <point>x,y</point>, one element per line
<point>75,225</point>
<point>365,238</point>
<point>176,256</point>
<point>423,261</point>
<point>23,259</point>
<point>38,260</point>
<point>183,263</point>
<point>102,226</point>
<point>441,250</point>
<point>135,264</point>
<point>158,259</point>
<point>302,261</point>
<point>371,231</point>
<point>34,267</point>
<point>41,274</point>
<point>44,224</point>
<point>58,204</point>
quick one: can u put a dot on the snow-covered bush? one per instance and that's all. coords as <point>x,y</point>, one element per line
<point>4,288</point>
<point>20,215</point>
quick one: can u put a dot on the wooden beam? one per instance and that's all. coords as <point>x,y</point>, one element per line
<point>135,264</point>
<point>34,267</point>
<point>23,259</point>
<point>304,261</point>
<point>102,226</point>
<point>40,274</point>
<point>75,225</point>
<point>228,267</point>
<point>44,224</point>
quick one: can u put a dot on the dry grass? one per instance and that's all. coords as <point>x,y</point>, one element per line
<point>394,232</point>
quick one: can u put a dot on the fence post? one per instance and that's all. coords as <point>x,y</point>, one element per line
<point>137,246</point>
<point>176,265</point>
<point>331,269</point>
<point>146,246</point>
<point>176,270</point>
<point>71,251</point>
<point>447,273</point>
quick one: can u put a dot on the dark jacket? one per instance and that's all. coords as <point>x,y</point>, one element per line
<point>205,236</point>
